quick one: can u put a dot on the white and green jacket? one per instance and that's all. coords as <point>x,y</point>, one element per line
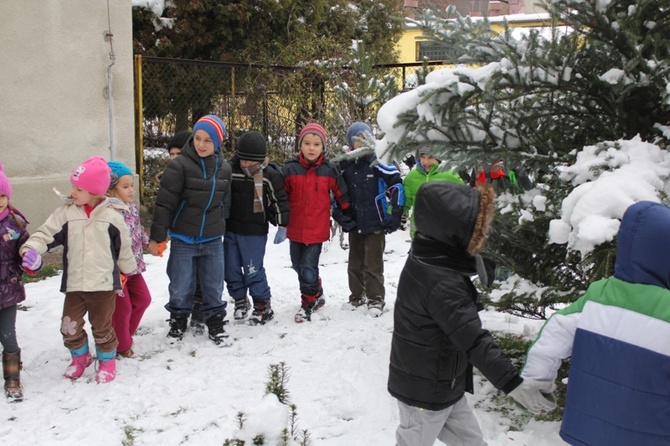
<point>618,335</point>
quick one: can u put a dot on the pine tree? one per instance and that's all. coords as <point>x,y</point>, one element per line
<point>602,75</point>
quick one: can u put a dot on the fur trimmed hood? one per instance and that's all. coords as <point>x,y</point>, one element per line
<point>454,214</point>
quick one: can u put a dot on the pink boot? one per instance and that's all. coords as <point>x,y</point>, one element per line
<point>106,371</point>
<point>78,365</point>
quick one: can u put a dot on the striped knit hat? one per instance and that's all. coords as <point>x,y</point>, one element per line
<point>314,129</point>
<point>213,125</point>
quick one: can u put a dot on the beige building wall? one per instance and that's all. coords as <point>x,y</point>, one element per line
<point>55,105</point>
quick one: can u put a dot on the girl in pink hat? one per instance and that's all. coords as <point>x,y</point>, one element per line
<point>97,252</point>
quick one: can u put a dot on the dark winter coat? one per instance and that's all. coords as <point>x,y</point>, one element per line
<point>437,335</point>
<point>13,234</point>
<point>243,220</point>
<point>362,177</point>
<point>309,187</point>
<point>194,197</point>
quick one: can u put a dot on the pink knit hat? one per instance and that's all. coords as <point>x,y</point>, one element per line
<point>5,187</point>
<point>314,129</point>
<point>93,176</point>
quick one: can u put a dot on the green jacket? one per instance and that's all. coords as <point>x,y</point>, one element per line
<point>415,178</point>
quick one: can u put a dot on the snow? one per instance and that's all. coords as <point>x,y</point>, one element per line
<point>632,170</point>
<point>191,393</point>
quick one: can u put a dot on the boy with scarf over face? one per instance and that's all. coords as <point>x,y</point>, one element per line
<point>192,205</point>
<point>437,334</point>
<point>258,198</point>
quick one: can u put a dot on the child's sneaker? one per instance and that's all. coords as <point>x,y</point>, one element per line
<point>376,307</point>
<point>106,371</point>
<point>306,309</point>
<point>242,308</point>
<point>262,313</point>
<point>216,331</point>
<point>178,324</point>
<point>79,363</point>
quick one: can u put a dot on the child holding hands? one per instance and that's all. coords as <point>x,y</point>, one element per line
<point>13,234</point>
<point>192,206</point>
<point>97,250</point>
<point>135,299</point>
<point>309,180</point>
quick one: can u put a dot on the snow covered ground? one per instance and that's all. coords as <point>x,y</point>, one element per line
<point>191,393</point>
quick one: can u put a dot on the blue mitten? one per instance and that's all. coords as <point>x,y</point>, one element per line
<point>280,236</point>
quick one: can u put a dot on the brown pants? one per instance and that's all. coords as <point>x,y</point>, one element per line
<point>100,306</point>
<point>366,265</point>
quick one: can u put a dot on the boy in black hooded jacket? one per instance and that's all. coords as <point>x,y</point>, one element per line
<point>437,335</point>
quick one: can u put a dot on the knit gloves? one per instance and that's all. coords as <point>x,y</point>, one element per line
<point>32,261</point>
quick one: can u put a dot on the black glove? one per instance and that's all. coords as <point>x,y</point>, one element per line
<point>391,223</point>
<point>345,221</point>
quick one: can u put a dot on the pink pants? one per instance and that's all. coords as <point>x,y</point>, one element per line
<point>129,310</point>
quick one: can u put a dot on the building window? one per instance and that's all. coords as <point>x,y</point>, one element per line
<point>432,51</point>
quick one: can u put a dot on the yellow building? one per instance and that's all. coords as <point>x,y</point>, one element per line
<point>413,47</point>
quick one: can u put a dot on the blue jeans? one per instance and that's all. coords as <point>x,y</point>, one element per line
<point>185,259</point>
<point>244,266</point>
<point>305,262</point>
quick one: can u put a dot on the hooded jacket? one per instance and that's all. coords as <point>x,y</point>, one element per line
<point>437,335</point>
<point>193,201</point>
<point>618,335</point>
<point>362,176</point>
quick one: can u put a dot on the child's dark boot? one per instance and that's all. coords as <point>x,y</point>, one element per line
<point>242,308</point>
<point>11,371</point>
<point>177,326</point>
<point>216,331</point>
<point>262,313</point>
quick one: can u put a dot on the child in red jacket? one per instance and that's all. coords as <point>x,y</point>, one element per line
<point>309,180</point>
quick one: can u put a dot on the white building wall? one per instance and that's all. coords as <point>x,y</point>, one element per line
<point>54,108</point>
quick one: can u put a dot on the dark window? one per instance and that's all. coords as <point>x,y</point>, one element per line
<point>432,51</point>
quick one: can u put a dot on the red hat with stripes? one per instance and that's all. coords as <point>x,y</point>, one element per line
<point>314,129</point>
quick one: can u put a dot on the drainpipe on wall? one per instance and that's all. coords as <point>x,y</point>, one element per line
<point>110,96</point>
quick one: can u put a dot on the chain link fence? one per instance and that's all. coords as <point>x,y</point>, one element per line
<point>171,94</point>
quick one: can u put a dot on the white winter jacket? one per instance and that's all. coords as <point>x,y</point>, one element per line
<point>95,248</point>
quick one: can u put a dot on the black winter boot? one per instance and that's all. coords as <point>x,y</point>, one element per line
<point>262,313</point>
<point>216,332</point>
<point>11,371</point>
<point>178,324</point>
<point>242,308</point>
